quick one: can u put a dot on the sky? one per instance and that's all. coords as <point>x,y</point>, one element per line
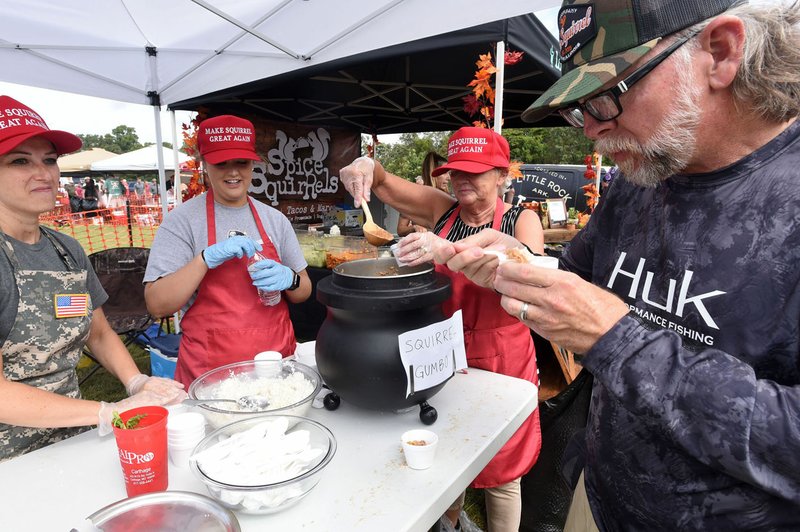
<point>86,114</point>
<point>89,115</point>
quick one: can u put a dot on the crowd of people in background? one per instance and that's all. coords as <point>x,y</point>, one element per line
<point>89,194</point>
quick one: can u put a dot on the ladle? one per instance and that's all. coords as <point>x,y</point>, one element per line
<point>374,233</point>
<point>249,402</point>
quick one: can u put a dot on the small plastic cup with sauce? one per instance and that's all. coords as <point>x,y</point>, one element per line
<point>419,448</point>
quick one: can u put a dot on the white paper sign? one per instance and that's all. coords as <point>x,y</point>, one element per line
<point>432,354</point>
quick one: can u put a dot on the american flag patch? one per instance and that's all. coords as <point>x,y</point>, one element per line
<point>71,305</point>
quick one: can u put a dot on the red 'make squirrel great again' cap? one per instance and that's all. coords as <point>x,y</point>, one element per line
<point>18,123</point>
<point>226,137</point>
<point>475,150</point>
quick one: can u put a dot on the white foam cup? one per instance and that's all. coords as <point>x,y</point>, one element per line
<point>268,363</point>
<point>419,448</point>
<point>179,454</point>
<point>544,261</point>
<point>185,428</point>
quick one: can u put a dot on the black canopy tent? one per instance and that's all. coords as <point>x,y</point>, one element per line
<point>412,87</point>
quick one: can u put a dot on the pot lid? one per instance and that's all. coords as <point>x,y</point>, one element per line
<point>165,510</point>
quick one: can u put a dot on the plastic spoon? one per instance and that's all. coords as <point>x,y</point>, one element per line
<point>375,234</point>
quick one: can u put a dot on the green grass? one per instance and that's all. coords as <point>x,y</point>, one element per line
<point>102,385</point>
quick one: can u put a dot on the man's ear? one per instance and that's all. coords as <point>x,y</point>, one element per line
<point>723,39</point>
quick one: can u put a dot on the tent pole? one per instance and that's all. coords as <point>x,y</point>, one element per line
<point>176,176</point>
<point>500,65</point>
<point>162,182</point>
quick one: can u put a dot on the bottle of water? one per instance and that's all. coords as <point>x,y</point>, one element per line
<point>268,298</point>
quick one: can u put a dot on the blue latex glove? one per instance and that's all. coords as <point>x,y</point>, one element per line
<point>271,276</point>
<point>235,246</point>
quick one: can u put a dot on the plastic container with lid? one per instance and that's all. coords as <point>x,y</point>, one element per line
<point>339,249</point>
<point>312,246</point>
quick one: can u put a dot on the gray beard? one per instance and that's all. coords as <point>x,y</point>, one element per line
<point>670,149</point>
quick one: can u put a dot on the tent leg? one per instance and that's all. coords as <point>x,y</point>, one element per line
<point>500,65</point>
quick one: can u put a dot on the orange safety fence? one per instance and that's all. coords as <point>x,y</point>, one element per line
<point>125,226</point>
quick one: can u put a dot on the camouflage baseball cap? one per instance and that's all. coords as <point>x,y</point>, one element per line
<point>600,39</point>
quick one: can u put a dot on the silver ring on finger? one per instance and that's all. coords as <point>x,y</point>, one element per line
<point>523,313</point>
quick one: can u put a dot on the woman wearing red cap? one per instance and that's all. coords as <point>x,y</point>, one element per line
<point>199,260</point>
<point>478,161</point>
<point>50,302</point>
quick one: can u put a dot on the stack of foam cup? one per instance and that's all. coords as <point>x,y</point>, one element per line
<point>184,432</point>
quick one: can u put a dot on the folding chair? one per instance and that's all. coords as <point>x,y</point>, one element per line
<point>121,271</point>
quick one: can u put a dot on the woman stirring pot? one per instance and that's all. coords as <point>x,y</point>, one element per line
<point>478,161</point>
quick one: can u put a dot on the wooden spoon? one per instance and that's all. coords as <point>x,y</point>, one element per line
<point>374,233</point>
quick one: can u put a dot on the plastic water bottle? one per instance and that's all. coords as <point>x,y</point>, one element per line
<point>268,298</point>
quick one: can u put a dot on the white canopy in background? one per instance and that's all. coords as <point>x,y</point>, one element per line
<point>156,51</point>
<point>82,160</point>
<point>162,51</point>
<point>141,160</point>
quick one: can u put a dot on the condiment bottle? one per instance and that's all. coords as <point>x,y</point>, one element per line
<point>268,298</point>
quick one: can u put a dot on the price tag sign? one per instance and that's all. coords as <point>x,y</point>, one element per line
<point>432,354</point>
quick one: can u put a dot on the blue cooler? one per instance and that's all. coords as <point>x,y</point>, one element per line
<point>163,354</point>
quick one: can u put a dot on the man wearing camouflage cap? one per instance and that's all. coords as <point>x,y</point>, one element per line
<point>683,291</point>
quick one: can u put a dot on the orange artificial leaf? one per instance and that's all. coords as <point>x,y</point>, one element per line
<point>478,123</point>
<point>514,170</point>
<point>484,61</point>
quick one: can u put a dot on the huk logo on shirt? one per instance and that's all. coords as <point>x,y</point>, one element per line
<point>641,283</point>
<point>575,28</point>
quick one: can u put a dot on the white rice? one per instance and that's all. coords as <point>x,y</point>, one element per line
<point>280,392</point>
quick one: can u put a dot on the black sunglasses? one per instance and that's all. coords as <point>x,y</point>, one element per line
<point>605,106</point>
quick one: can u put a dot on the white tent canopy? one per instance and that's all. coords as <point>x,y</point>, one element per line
<point>159,52</point>
<point>141,160</point>
<point>82,160</point>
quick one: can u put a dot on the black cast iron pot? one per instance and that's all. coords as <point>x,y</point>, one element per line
<point>370,303</point>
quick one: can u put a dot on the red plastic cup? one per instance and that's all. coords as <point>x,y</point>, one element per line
<point>143,450</point>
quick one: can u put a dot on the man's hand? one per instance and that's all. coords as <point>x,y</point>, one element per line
<point>561,306</point>
<point>470,260</point>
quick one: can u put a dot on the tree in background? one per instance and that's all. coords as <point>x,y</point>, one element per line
<point>404,157</point>
<point>548,145</point>
<point>543,145</point>
<point>122,139</point>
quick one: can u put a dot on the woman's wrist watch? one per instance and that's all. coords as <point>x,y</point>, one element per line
<point>295,281</point>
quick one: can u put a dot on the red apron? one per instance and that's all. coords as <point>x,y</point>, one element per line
<point>227,321</point>
<point>498,342</point>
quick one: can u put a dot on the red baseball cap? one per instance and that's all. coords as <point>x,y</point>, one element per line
<point>475,150</point>
<point>18,123</point>
<point>226,137</point>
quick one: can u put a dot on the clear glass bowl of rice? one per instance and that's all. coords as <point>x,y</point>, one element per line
<point>263,464</point>
<point>287,385</point>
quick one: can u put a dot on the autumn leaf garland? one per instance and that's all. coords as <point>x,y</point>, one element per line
<point>189,131</point>
<point>590,190</point>
<point>481,101</point>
